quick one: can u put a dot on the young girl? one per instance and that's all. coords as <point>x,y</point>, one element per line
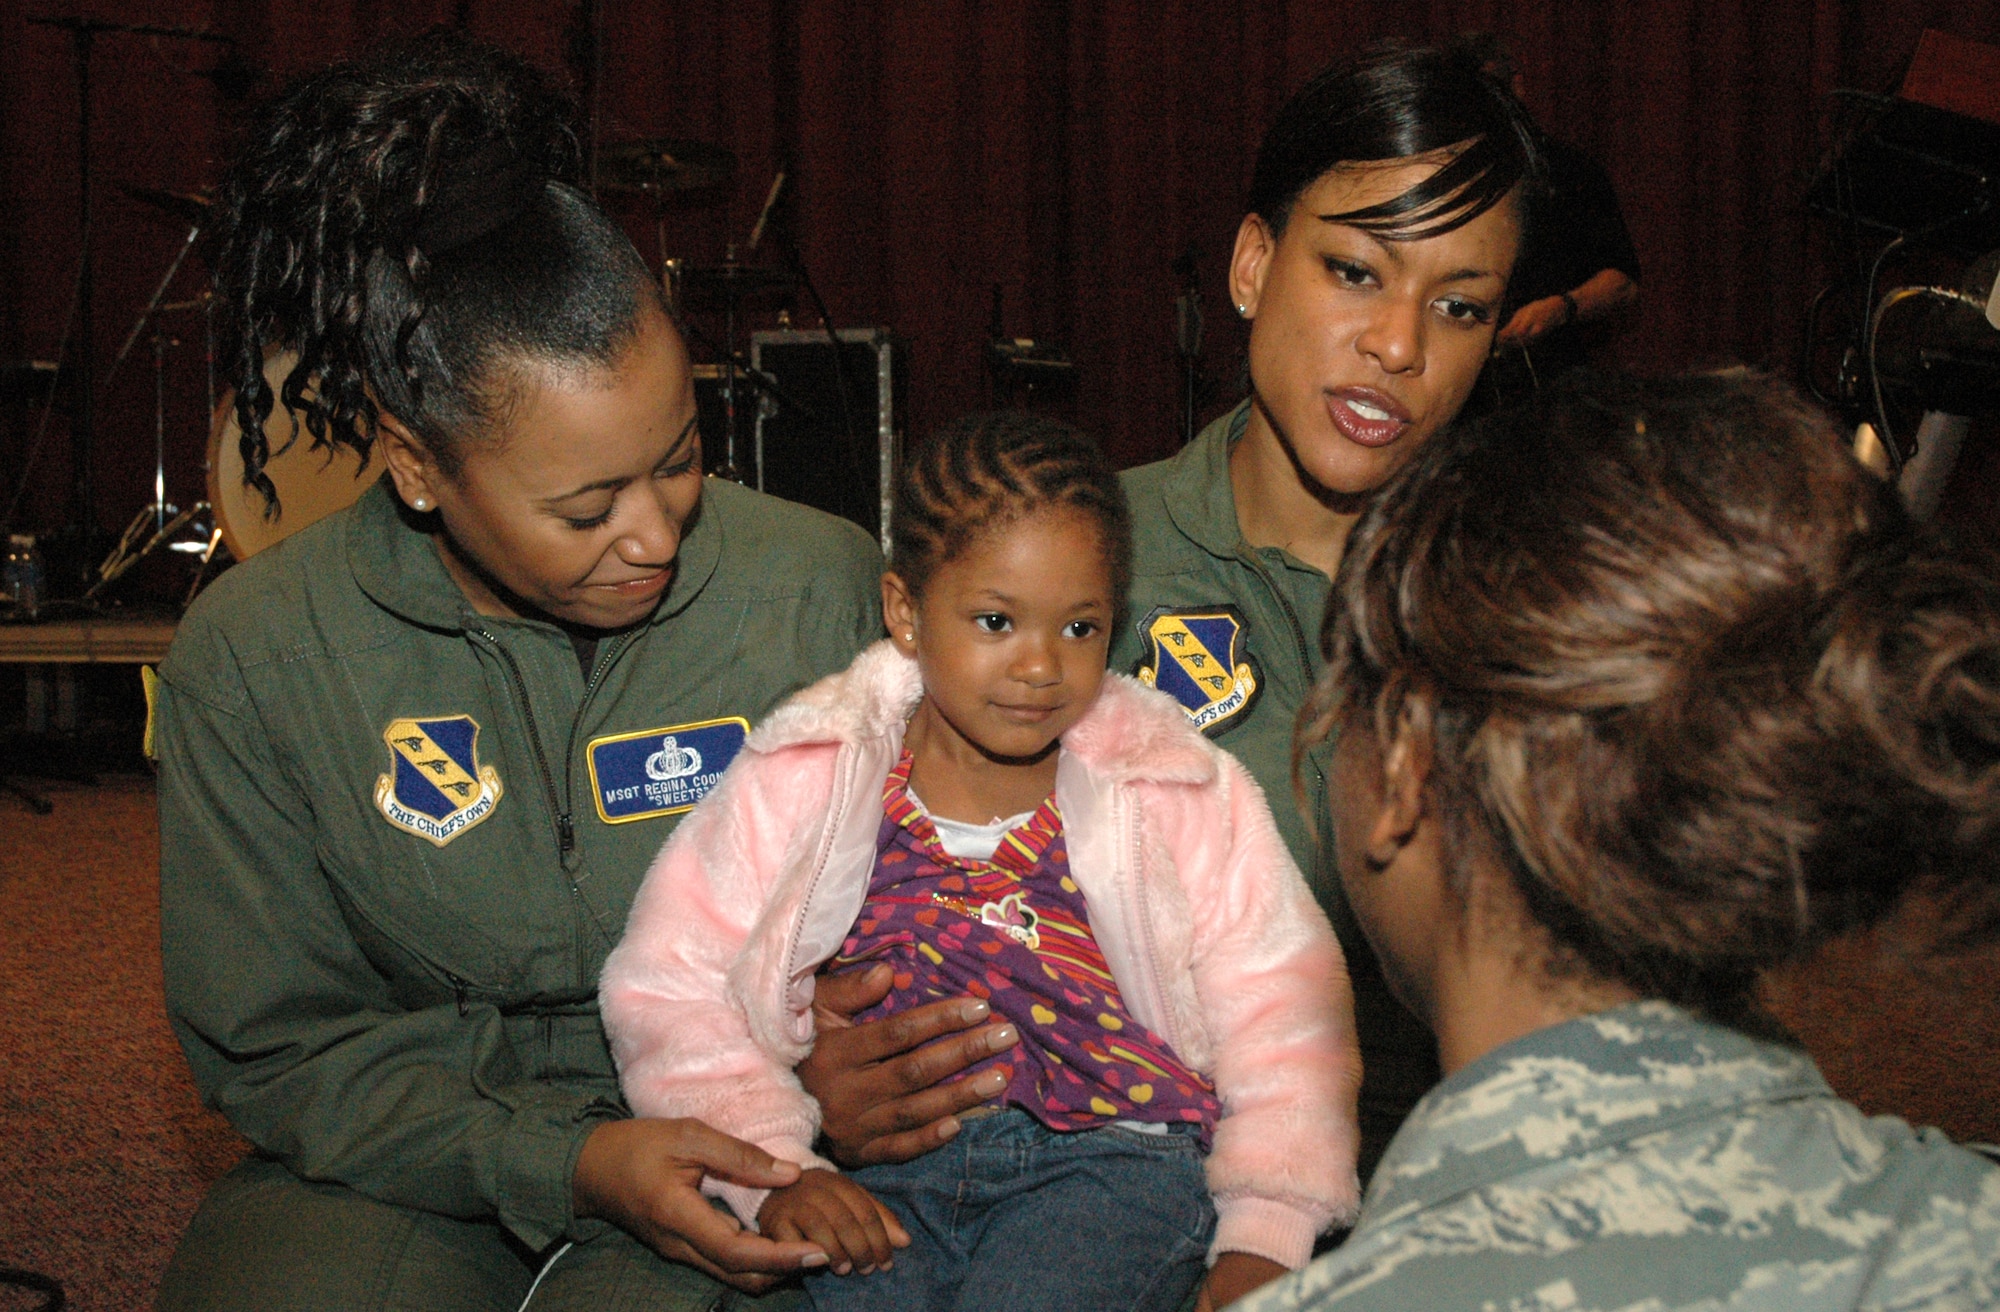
<point>976,803</point>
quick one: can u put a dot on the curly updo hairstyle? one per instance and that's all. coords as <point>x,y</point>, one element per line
<point>408,224</point>
<point>1688,668</point>
<point>986,471</point>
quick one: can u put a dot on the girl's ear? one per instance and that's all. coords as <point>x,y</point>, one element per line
<point>411,465</point>
<point>899,612</point>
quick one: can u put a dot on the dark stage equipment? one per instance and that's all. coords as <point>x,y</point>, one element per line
<point>805,451</point>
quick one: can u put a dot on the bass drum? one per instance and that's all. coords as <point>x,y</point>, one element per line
<point>311,484</point>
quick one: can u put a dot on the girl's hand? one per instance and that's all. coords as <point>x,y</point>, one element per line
<point>881,1085</point>
<point>1233,1276</point>
<point>830,1210</point>
<point>644,1176</point>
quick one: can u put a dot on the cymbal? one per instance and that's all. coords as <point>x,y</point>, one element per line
<point>662,164</point>
<point>188,208</point>
<point>733,278</point>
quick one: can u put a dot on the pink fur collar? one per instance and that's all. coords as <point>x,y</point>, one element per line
<point>1132,734</point>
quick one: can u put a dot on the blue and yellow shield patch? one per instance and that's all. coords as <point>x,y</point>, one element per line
<point>1200,658</point>
<point>436,788</point>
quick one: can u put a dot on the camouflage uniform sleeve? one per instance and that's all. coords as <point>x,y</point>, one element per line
<point>1660,1164</point>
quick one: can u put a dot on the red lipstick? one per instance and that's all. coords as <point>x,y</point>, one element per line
<point>1365,416</point>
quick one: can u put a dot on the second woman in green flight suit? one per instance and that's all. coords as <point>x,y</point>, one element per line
<point>1385,214</point>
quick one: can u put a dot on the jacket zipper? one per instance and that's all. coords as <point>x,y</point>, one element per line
<point>843,767</point>
<point>1129,827</point>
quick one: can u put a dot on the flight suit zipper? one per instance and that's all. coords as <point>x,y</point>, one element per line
<point>605,660</point>
<point>561,799</point>
<point>461,992</point>
<point>1304,649</point>
<point>565,829</point>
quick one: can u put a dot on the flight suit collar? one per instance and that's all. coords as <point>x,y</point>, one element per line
<point>398,566</point>
<point>1199,496</point>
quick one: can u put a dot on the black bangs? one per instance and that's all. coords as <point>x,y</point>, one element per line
<point>1469,184</point>
<point>1400,105</point>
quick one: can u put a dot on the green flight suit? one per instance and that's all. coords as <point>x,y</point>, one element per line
<point>1199,587</point>
<point>399,1005</point>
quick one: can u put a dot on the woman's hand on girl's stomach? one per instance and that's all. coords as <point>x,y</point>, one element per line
<point>1233,1276</point>
<point>880,1084</point>
<point>644,1176</point>
<point>830,1210</point>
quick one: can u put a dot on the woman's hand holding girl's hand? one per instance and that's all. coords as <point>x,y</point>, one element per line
<point>830,1210</point>
<point>1233,1276</point>
<point>644,1176</point>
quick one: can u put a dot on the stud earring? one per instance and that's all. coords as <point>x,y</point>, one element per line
<point>420,503</point>
<point>909,637</point>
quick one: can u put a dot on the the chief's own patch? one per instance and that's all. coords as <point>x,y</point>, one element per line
<point>436,788</point>
<point>637,776</point>
<point>1201,659</point>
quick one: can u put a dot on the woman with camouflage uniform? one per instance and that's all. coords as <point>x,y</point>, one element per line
<point>1637,696</point>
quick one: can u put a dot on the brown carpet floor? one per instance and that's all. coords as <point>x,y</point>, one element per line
<point>105,1151</point>
<point>104,1148</point>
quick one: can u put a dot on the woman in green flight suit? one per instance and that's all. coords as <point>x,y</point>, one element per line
<point>415,759</point>
<point>1385,215</point>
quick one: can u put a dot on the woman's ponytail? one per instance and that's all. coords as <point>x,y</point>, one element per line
<point>1909,685</point>
<point>397,223</point>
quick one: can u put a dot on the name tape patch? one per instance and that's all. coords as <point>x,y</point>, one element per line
<point>656,772</point>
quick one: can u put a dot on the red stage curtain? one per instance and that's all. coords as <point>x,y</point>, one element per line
<point>1066,153</point>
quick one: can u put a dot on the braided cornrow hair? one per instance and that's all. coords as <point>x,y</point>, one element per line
<point>986,471</point>
<point>403,223</point>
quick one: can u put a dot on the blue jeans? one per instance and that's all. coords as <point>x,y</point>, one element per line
<point>1013,1215</point>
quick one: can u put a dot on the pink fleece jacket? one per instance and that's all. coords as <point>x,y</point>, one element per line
<point>1211,933</point>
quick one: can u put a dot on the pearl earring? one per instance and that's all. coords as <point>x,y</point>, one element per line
<point>1242,311</point>
<point>419,503</point>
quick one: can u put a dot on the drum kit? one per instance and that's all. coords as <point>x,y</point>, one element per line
<point>313,482</point>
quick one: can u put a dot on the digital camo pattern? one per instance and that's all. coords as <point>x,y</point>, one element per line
<point>1643,1159</point>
